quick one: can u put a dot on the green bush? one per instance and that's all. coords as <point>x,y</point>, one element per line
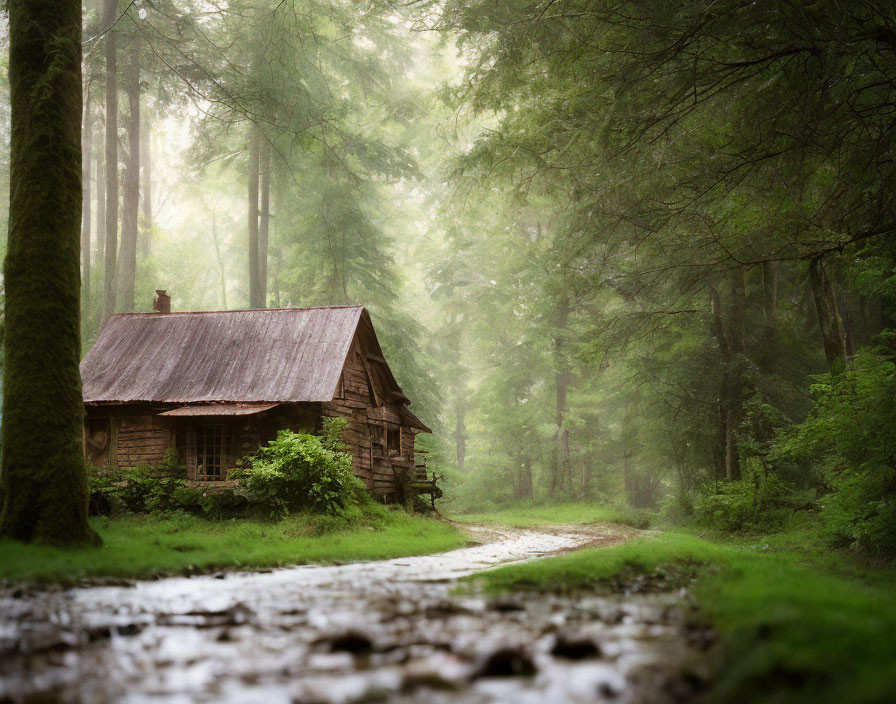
<point>298,472</point>
<point>851,437</point>
<point>144,490</point>
<point>759,501</point>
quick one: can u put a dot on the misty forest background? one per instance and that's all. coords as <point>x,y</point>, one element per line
<point>628,252</point>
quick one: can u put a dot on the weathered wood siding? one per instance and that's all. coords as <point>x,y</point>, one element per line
<point>142,440</point>
<point>362,398</point>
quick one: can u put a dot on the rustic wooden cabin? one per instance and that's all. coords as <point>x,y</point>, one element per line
<point>215,385</point>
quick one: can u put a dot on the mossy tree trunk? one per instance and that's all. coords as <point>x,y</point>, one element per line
<point>110,255</point>
<point>86,163</point>
<point>44,487</point>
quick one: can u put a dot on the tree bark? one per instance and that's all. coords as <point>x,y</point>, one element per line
<point>146,165</point>
<point>829,323</point>
<point>100,204</point>
<point>560,470</point>
<point>127,261</point>
<point>86,164</point>
<point>725,455</point>
<point>44,481</point>
<point>110,51</point>
<point>254,289</point>
<point>264,222</point>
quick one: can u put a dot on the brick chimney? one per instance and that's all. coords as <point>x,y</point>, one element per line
<point>162,302</point>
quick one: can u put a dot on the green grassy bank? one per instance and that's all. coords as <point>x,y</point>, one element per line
<point>799,623</point>
<point>527,513</point>
<point>140,546</point>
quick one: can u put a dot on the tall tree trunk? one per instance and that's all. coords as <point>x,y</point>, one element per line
<point>522,478</point>
<point>720,451</point>
<point>527,477</point>
<point>44,480</point>
<point>110,52</point>
<point>460,434</point>
<point>146,164</point>
<point>86,164</point>
<point>628,479</point>
<point>560,470</point>
<point>127,262</point>
<point>264,223</point>
<point>100,203</point>
<point>829,323</point>
<point>738,318</point>
<point>254,289</point>
<point>732,339</point>
<point>221,269</point>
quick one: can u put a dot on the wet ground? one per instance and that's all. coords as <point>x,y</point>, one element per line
<point>364,632</point>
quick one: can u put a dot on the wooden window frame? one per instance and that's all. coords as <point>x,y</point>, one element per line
<point>390,432</point>
<point>200,431</point>
<point>377,437</point>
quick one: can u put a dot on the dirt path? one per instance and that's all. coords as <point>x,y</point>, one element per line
<point>368,631</point>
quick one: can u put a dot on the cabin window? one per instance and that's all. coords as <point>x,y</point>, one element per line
<point>209,452</point>
<point>376,441</point>
<point>393,441</point>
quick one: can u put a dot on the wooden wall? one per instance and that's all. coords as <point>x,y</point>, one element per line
<point>362,398</point>
<point>142,440</point>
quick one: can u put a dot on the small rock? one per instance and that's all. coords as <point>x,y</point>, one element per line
<point>505,662</point>
<point>575,648</point>
<point>351,642</point>
<point>608,690</point>
<point>505,607</point>
<point>220,575</point>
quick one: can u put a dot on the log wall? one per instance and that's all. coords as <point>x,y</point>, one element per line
<point>142,440</point>
<point>363,399</point>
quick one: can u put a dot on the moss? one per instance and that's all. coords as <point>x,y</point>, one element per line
<point>44,484</point>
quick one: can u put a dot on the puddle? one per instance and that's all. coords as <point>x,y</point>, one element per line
<point>362,632</point>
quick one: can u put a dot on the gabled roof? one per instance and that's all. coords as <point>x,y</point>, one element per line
<point>249,356</point>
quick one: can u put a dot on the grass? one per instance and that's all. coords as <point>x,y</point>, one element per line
<point>139,546</point>
<point>799,623</point>
<point>528,514</point>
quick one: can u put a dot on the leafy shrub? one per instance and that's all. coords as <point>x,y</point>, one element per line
<point>851,436</point>
<point>102,490</point>
<point>222,503</point>
<point>759,501</point>
<point>299,471</point>
<point>144,490</point>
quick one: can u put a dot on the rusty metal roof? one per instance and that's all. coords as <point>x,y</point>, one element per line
<point>258,356</point>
